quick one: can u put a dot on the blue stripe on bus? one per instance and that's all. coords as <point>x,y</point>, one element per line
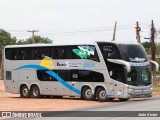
<point>58,78</point>
<point>70,87</point>
<point>38,67</point>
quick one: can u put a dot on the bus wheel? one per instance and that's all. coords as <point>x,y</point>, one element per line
<point>24,92</point>
<point>101,95</point>
<point>123,99</point>
<point>87,94</point>
<point>35,92</point>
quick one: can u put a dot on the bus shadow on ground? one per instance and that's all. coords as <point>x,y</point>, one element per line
<point>78,98</point>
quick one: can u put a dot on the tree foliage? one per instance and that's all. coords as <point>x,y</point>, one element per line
<point>5,39</point>
<point>37,39</point>
<point>146,45</point>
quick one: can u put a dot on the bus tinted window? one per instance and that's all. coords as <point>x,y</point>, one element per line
<point>26,53</point>
<point>8,54</point>
<point>15,54</point>
<point>58,53</point>
<point>133,53</point>
<point>39,53</point>
<point>86,52</point>
<point>109,51</point>
<point>63,52</point>
<point>72,75</point>
<point>43,76</point>
<point>74,52</point>
<point>55,52</point>
<point>71,54</point>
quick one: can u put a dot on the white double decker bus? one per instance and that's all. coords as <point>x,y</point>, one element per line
<point>102,70</point>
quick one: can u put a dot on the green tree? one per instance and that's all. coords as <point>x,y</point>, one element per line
<point>5,39</point>
<point>146,45</point>
<point>37,39</point>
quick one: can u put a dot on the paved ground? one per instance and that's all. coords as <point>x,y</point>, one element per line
<point>146,109</point>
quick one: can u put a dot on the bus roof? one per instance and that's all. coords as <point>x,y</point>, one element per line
<point>84,43</point>
<point>41,45</point>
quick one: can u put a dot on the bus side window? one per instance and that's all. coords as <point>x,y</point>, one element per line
<point>20,54</point>
<point>84,52</point>
<point>13,55</point>
<point>8,53</point>
<point>61,53</point>
<point>72,53</point>
<point>58,53</point>
<point>36,54</point>
<point>117,74</point>
<point>94,57</point>
<point>54,53</point>
<point>28,54</point>
<point>109,51</point>
<point>44,53</point>
<point>64,74</point>
<point>43,76</point>
<point>113,54</point>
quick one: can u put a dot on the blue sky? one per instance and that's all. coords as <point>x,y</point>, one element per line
<point>79,20</point>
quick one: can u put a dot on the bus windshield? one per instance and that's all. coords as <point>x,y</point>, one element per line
<point>139,76</point>
<point>132,53</point>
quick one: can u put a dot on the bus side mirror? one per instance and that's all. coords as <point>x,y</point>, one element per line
<point>122,62</point>
<point>156,64</point>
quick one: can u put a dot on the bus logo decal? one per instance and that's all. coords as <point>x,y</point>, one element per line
<point>84,73</point>
<point>75,76</point>
<point>84,51</point>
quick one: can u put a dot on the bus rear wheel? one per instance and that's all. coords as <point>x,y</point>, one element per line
<point>24,92</point>
<point>87,94</point>
<point>101,95</point>
<point>35,92</point>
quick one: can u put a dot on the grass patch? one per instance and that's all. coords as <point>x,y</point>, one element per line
<point>156,89</point>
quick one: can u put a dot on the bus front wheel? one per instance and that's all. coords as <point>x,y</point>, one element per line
<point>35,92</point>
<point>24,92</point>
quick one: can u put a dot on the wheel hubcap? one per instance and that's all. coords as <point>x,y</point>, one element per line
<point>25,91</point>
<point>88,93</point>
<point>35,92</point>
<point>103,94</point>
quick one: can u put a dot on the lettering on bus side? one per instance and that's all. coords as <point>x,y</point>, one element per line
<point>61,64</point>
<point>70,64</point>
<point>89,65</point>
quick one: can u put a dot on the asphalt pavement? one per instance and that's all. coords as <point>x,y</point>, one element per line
<point>143,109</point>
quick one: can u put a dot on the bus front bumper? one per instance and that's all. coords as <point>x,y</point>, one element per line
<point>137,93</point>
